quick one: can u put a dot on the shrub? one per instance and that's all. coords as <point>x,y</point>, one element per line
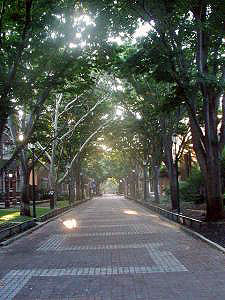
<point>192,188</point>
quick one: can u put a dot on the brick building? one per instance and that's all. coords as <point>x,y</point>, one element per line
<point>10,178</point>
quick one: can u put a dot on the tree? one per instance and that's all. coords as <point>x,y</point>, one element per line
<point>196,31</point>
<point>185,47</point>
<point>26,41</point>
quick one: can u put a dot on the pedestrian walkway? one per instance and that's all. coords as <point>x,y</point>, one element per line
<point>118,251</point>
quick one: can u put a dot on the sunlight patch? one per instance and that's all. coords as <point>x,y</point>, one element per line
<point>70,224</point>
<point>10,216</point>
<point>130,212</point>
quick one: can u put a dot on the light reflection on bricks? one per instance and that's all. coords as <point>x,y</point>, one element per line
<point>111,256</point>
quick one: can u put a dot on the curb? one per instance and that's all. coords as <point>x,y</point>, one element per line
<point>18,236</point>
<point>203,238</point>
<point>188,230</point>
<point>193,233</point>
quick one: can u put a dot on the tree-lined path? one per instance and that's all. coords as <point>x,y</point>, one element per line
<point>118,250</point>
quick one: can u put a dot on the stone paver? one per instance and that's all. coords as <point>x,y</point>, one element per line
<point>119,250</point>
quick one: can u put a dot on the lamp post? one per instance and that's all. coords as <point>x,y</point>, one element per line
<point>10,187</point>
<point>32,148</point>
<point>133,184</point>
<point>122,187</point>
<point>175,162</point>
<point>121,190</point>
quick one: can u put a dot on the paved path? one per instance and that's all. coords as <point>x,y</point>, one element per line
<point>118,251</point>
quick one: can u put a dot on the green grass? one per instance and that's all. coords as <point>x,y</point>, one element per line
<point>13,215</point>
<point>41,211</point>
<point>4,212</point>
<point>62,203</point>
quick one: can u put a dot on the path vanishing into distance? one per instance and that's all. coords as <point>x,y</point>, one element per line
<point>119,250</point>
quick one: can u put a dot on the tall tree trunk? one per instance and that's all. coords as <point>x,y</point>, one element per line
<point>215,209</point>
<point>77,178</point>
<point>126,187</point>
<point>146,182</point>
<point>156,171</point>
<point>208,154</point>
<point>3,121</point>
<point>187,162</point>
<point>25,195</point>
<point>121,187</point>
<point>69,187</point>
<point>52,172</point>
<point>7,196</point>
<point>133,186</point>
<point>171,173</point>
<point>97,188</point>
<point>173,186</point>
<point>82,187</point>
<point>207,145</point>
<point>78,190</point>
<point>72,181</point>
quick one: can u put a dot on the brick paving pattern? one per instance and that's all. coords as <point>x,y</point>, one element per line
<point>119,250</point>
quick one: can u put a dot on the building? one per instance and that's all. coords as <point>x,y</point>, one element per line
<point>10,178</point>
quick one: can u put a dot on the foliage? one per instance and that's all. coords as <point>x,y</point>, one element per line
<point>185,48</point>
<point>176,71</point>
<point>191,189</point>
<point>110,185</point>
<point>102,165</point>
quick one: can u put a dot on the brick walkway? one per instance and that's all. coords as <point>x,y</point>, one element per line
<point>119,250</point>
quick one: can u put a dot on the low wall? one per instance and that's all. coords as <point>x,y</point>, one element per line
<point>16,229</point>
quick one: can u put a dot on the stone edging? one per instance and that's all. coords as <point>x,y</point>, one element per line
<point>184,228</point>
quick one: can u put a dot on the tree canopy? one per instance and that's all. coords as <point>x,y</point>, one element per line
<point>60,58</point>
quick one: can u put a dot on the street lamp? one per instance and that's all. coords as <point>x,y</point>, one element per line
<point>175,162</point>
<point>133,193</point>
<point>21,137</point>
<point>32,148</point>
<point>121,186</point>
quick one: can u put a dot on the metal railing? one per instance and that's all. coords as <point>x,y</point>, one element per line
<point>178,218</point>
